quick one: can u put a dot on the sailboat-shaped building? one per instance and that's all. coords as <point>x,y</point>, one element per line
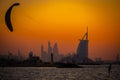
<point>82,49</point>
<point>81,55</point>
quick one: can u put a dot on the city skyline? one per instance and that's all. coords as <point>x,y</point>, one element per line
<point>37,22</point>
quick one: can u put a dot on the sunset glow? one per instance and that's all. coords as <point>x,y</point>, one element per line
<point>36,22</point>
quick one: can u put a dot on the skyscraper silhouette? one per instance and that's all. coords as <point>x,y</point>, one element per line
<point>42,48</point>
<point>49,51</point>
<point>82,50</point>
<point>56,52</point>
<point>49,48</point>
<point>55,49</point>
<point>44,55</point>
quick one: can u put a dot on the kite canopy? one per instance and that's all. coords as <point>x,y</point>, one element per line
<point>8,17</point>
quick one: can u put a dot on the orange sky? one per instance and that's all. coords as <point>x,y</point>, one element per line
<point>35,22</point>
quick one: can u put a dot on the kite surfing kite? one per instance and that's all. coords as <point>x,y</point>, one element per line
<point>8,17</point>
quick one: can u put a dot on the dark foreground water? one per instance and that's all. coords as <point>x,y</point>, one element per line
<point>50,73</point>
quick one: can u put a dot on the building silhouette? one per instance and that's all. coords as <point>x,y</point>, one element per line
<point>33,60</point>
<point>30,54</point>
<point>44,54</point>
<point>49,48</point>
<point>49,51</point>
<point>55,49</point>
<point>82,50</point>
<point>20,55</point>
<point>52,58</point>
<point>56,52</point>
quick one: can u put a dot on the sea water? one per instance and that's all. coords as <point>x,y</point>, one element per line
<point>90,72</point>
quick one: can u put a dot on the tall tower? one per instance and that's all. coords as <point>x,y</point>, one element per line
<point>44,55</point>
<point>49,51</point>
<point>56,52</point>
<point>55,49</point>
<point>82,50</point>
<point>49,48</point>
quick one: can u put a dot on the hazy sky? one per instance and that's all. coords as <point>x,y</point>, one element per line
<point>35,22</point>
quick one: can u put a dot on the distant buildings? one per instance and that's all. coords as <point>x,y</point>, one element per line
<point>33,60</point>
<point>20,55</point>
<point>30,54</point>
<point>52,56</point>
<point>46,57</point>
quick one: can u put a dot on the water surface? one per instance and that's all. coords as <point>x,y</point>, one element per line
<point>51,73</point>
